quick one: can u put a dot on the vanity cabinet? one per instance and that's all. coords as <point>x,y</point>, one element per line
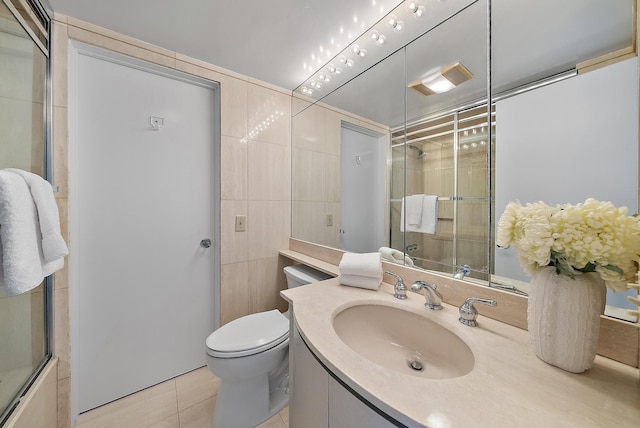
<point>318,400</point>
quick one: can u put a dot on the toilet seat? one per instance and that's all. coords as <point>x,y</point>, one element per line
<point>249,335</point>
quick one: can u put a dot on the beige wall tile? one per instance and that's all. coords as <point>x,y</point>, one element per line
<point>199,415</point>
<point>308,174</point>
<point>233,114</point>
<point>266,105</point>
<point>61,151</point>
<point>60,64</point>
<point>234,295</point>
<point>332,165</point>
<point>233,155</point>
<point>64,403</point>
<point>234,244</point>
<point>61,331</point>
<point>269,176</point>
<point>309,129</point>
<point>308,221</point>
<point>120,37</point>
<point>141,409</point>
<point>196,386</point>
<point>196,70</point>
<point>268,228</point>
<point>171,422</point>
<point>266,279</point>
<point>92,38</point>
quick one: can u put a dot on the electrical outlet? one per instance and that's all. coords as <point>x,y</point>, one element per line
<point>329,219</point>
<point>241,223</point>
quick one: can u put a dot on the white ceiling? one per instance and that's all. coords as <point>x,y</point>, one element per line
<point>271,40</point>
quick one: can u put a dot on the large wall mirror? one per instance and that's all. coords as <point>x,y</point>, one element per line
<point>561,126</point>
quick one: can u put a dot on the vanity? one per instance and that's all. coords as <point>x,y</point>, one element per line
<point>491,378</point>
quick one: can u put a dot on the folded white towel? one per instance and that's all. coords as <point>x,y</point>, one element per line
<point>395,256</point>
<point>365,264</point>
<point>429,219</point>
<point>21,261</point>
<point>53,245</point>
<point>360,281</point>
<point>414,209</point>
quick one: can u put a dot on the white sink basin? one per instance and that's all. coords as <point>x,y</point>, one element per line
<point>403,341</point>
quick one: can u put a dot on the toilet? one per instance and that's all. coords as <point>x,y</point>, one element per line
<point>250,355</point>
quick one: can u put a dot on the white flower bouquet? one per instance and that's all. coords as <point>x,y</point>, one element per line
<point>590,237</point>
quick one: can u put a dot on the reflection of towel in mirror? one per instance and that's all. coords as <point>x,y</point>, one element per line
<point>429,219</point>
<point>414,209</point>
<point>361,270</point>
<point>22,264</point>
<point>395,256</point>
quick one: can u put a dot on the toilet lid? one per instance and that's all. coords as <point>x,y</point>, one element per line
<point>250,334</point>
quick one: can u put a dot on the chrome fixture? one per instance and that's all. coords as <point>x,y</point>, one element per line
<point>462,272</point>
<point>400,289</point>
<point>432,297</point>
<point>469,313</point>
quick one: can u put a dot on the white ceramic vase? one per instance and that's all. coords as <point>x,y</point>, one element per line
<point>564,318</point>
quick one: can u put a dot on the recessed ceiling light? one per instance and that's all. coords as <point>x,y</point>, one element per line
<point>443,80</point>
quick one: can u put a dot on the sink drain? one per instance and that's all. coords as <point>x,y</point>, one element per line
<point>415,365</point>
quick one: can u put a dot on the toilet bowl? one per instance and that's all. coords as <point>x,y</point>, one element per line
<point>250,355</point>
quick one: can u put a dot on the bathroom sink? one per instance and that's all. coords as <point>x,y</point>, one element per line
<point>403,341</point>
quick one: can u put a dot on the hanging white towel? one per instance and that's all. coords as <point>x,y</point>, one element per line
<point>395,256</point>
<point>53,246</point>
<point>429,219</point>
<point>22,265</point>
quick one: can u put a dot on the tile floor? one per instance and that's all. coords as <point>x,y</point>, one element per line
<point>184,402</point>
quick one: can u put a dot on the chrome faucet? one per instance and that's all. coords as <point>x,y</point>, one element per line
<point>462,272</point>
<point>400,290</point>
<point>469,313</point>
<point>431,295</point>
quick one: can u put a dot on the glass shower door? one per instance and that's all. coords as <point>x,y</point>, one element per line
<point>24,321</point>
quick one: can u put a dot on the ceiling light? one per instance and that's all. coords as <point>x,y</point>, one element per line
<point>342,59</point>
<point>349,62</point>
<point>442,81</point>
<point>306,91</point>
<point>395,23</point>
<point>416,9</point>
<point>378,38</point>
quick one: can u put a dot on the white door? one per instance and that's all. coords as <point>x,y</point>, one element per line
<point>362,189</point>
<point>142,201</point>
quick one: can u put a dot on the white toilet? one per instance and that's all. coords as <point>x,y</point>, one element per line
<point>250,356</point>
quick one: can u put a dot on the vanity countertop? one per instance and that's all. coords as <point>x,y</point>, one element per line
<point>508,386</point>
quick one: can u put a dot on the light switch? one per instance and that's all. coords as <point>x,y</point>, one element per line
<point>241,223</point>
<point>329,219</point>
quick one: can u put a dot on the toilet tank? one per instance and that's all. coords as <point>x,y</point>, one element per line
<point>298,275</point>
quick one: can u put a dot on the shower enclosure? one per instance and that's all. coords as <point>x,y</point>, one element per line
<point>445,156</point>
<point>25,319</point>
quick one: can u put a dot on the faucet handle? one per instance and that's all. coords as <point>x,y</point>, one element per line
<point>469,313</point>
<point>400,290</point>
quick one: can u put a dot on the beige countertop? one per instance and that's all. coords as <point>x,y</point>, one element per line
<point>508,386</point>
